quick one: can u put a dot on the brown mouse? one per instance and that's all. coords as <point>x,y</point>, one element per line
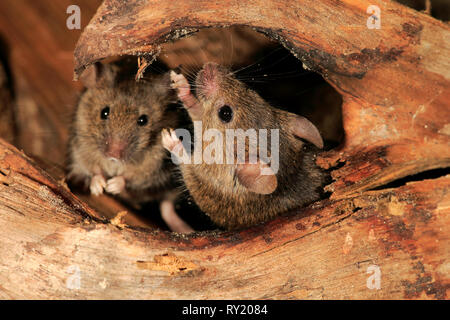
<point>246,192</point>
<point>115,146</point>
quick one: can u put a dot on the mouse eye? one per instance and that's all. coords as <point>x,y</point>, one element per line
<point>142,121</point>
<point>104,113</point>
<point>225,113</point>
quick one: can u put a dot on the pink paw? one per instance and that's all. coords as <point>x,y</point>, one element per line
<point>115,185</point>
<point>171,142</point>
<point>97,185</point>
<point>180,83</point>
<point>190,102</point>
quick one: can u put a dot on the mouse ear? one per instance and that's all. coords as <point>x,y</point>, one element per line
<point>257,177</point>
<point>161,83</point>
<point>303,128</point>
<point>99,74</point>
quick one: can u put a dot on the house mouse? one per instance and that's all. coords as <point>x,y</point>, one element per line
<point>252,188</point>
<point>115,145</point>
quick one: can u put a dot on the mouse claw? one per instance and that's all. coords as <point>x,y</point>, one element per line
<point>180,83</point>
<point>173,144</point>
<point>169,139</point>
<point>190,102</point>
<point>97,185</point>
<point>115,185</point>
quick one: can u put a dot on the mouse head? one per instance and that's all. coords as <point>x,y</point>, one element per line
<point>119,121</point>
<point>227,103</point>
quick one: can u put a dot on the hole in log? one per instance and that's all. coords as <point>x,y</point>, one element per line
<point>266,67</point>
<point>356,209</point>
<point>425,175</point>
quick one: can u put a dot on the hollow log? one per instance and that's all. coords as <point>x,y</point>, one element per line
<point>361,243</point>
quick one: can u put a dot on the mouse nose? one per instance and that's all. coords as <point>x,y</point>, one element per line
<point>208,73</point>
<point>115,148</point>
<point>207,79</point>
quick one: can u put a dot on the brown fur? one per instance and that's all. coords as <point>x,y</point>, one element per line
<point>145,166</point>
<point>215,187</point>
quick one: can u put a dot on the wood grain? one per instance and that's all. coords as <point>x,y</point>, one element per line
<point>395,86</point>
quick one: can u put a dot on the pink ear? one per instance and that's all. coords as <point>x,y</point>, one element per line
<point>258,177</point>
<point>303,128</point>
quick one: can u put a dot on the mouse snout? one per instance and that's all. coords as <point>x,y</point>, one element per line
<point>207,80</point>
<point>210,70</point>
<point>115,148</point>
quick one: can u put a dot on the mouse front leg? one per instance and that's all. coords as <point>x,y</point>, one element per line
<point>190,102</point>
<point>115,185</point>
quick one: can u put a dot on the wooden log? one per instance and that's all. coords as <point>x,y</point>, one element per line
<point>381,244</point>
<point>53,247</point>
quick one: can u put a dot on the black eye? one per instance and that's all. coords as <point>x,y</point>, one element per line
<point>104,113</point>
<point>142,121</point>
<point>225,113</point>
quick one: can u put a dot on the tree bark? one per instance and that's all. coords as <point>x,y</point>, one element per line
<point>361,243</point>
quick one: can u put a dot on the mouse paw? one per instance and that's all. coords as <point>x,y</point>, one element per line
<point>170,140</point>
<point>172,143</point>
<point>180,84</point>
<point>183,88</point>
<point>115,185</point>
<point>97,185</point>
